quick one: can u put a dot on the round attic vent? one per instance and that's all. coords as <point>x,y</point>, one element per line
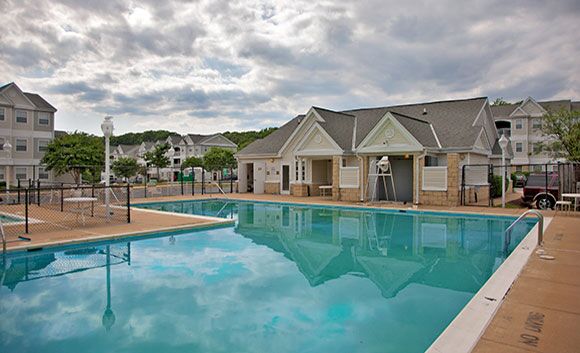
<point>389,133</point>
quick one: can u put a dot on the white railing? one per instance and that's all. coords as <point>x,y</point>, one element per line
<point>349,177</point>
<point>434,178</point>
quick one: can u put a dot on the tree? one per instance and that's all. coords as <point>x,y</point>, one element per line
<point>73,153</point>
<point>136,138</point>
<point>157,158</point>
<point>192,162</point>
<point>499,101</point>
<point>126,167</point>
<point>563,129</point>
<point>218,158</point>
<point>244,138</point>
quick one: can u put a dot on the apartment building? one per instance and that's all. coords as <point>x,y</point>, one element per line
<point>522,123</point>
<point>182,147</point>
<point>27,125</point>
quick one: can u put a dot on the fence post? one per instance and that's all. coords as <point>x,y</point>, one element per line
<point>181,173</point>
<point>128,203</point>
<point>19,191</point>
<point>202,181</point>
<point>38,192</point>
<point>192,181</point>
<point>546,178</point>
<point>145,179</point>
<point>231,181</point>
<point>62,199</point>
<point>26,212</point>
<point>92,203</point>
<point>463,185</point>
<point>490,182</point>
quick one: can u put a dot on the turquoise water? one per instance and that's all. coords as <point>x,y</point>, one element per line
<point>285,278</point>
<point>10,219</point>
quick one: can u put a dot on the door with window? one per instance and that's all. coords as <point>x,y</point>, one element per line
<point>285,189</point>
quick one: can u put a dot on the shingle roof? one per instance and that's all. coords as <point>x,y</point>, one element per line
<point>197,138</point>
<point>446,118</point>
<point>175,139</point>
<point>39,102</point>
<point>554,106</point>
<point>503,110</point>
<point>272,143</point>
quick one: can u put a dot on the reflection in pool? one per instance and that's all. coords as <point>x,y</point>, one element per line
<point>285,278</point>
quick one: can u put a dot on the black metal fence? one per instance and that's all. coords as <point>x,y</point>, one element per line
<point>529,185</point>
<point>48,209</point>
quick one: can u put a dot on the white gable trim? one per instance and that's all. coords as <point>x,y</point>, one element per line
<point>219,136</point>
<point>435,134</point>
<point>21,93</point>
<point>312,114</point>
<point>480,112</point>
<point>529,99</point>
<point>316,126</point>
<point>415,145</point>
<point>483,140</point>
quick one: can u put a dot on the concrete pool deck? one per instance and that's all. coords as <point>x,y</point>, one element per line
<point>540,313</point>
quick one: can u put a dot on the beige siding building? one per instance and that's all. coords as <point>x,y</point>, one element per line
<point>27,124</point>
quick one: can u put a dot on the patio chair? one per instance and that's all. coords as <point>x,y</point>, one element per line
<point>564,205</point>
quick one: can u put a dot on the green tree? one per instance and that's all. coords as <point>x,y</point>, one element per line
<point>500,101</point>
<point>136,138</point>
<point>192,162</point>
<point>218,158</point>
<point>157,158</point>
<point>244,138</point>
<point>563,129</point>
<point>73,153</point>
<point>126,167</point>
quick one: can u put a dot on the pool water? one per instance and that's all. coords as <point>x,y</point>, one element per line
<point>285,278</point>
<point>4,218</point>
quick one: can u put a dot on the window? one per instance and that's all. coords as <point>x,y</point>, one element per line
<point>21,145</point>
<point>431,161</point>
<point>21,117</point>
<point>176,161</point>
<point>537,123</point>
<point>518,168</point>
<point>296,169</point>
<point>42,173</point>
<point>519,147</point>
<point>2,141</point>
<point>20,173</point>
<point>43,145</point>
<point>43,119</point>
<point>2,112</point>
<point>2,175</point>
<point>519,124</point>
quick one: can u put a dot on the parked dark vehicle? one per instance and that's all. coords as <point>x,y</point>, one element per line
<point>535,190</point>
<point>519,179</point>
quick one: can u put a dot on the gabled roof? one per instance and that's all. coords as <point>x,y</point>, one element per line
<point>271,144</point>
<point>36,100</point>
<point>442,124</point>
<point>504,111</point>
<point>197,138</point>
<point>175,139</point>
<point>39,102</point>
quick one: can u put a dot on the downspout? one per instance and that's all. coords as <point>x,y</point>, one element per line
<point>417,175</point>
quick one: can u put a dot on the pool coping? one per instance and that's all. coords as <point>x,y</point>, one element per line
<point>410,210</point>
<point>466,329</point>
<point>213,222</point>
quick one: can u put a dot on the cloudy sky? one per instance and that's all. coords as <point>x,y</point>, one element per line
<point>207,66</point>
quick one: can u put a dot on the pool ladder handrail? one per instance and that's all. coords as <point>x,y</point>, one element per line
<point>540,225</point>
<point>3,237</point>
<point>221,190</point>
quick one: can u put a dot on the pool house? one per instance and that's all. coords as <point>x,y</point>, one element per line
<point>406,153</point>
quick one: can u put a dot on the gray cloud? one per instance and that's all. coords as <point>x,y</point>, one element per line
<point>257,64</point>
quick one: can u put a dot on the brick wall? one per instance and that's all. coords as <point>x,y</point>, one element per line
<point>350,194</point>
<point>451,197</point>
<point>299,190</point>
<point>272,188</point>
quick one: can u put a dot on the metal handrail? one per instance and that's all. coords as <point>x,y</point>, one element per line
<point>220,189</point>
<point>540,225</point>
<point>3,237</point>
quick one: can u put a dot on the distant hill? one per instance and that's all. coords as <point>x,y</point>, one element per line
<point>241,138</point>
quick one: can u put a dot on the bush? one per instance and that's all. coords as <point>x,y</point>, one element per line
<point>515,175</point>
<point>496,186</point>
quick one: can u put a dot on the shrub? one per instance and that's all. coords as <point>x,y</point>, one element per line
<point>496,186</point>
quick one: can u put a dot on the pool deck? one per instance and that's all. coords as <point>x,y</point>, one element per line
<point>541,312</point>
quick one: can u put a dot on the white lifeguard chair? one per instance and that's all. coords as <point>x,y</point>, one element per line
<point>380,169</point>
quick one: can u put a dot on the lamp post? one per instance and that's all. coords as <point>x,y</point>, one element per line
<point>503,143</point>
<point>170,153</point>
<point>107,128</point>
<point>108,316</point>
<point>8,148</point>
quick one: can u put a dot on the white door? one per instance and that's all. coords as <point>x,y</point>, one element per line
<point>242,178</point>
<point>259,177</point>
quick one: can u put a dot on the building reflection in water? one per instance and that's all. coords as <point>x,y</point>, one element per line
<point>392,250</point>
<point>26,267</point>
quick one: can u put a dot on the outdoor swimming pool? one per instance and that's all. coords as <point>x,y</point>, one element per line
<point>285,278</point>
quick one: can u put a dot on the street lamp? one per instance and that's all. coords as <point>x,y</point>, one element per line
<point>170,153</point>
<point>503,143</point>
<point>8,148</point>
<point>107,128</point>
